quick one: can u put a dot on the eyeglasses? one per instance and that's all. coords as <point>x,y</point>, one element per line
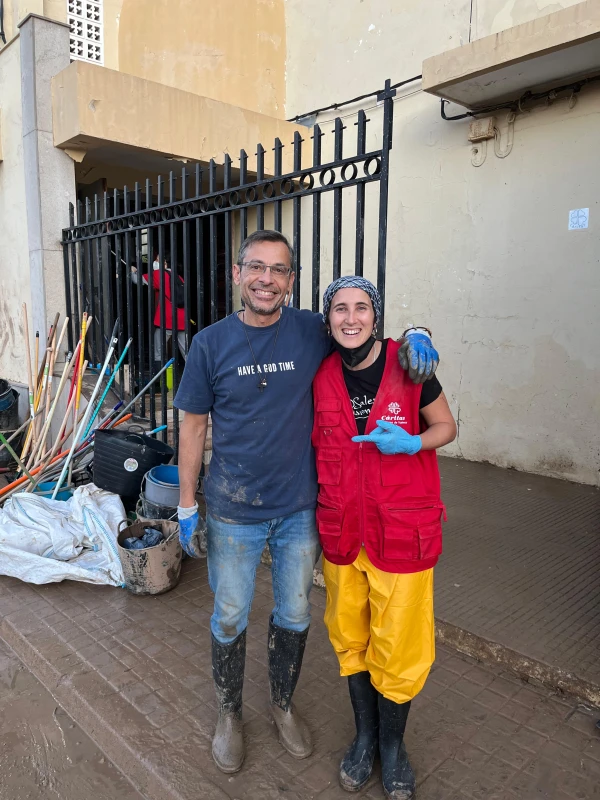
<point>258,268</point>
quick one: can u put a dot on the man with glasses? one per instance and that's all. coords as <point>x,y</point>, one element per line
<point>253,373</point>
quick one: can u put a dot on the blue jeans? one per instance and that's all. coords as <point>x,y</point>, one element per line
<point>234,552</point>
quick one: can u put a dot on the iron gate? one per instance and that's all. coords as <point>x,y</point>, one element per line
<point>190,221</point>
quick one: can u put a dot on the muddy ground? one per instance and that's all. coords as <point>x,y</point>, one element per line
<point>43,753</point>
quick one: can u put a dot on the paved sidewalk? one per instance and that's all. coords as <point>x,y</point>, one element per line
<point>134,673</point>
<point>43,753</point>
<point>521,567</point>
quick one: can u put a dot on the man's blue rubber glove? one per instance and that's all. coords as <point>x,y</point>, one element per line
<point>190,528</point>
<point>391,439</point>
<point>418,355</point>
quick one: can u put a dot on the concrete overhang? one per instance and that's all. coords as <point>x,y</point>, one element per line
<point>552,50</point>
<point>94,108</point>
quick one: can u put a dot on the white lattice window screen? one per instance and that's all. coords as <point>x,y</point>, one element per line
<point>87,35</point>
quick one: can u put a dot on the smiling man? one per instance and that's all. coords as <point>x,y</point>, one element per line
<point>253,373</point>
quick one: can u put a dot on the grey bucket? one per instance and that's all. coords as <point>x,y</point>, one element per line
<point>153,570</point>
<point>161,485</point>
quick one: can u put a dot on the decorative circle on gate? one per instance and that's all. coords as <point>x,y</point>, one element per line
<point>287,186</point>
<point>218,201</point>
<point>345,168</point>
<point>121,224</point>
<point>327,176</point>
<point>268,191</point>
<point>307,181</point>
<point>155,216</point>
<point>234,198</point>
<point>179,211</point>
<point>192,208</point>
<point>166,214</point>
<point>144,219</point>
<point>133,222</point>
<point>372,166</point>
<point>250,195</point>
<point>204,205</point>
<point>110,226</point>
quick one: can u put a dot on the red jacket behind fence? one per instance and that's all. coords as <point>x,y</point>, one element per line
<point>168,305</point>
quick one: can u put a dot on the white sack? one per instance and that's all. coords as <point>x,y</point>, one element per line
<point>45,541</point>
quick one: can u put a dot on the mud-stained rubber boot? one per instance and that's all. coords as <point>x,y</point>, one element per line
<point>357,764</point>
<point>286,649</point>
<point>228,661</point>
<point>397,775</point>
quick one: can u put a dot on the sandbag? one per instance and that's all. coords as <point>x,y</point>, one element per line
<point>46,541</point>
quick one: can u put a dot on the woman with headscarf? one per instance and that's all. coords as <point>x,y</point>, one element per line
<point>379,519</point>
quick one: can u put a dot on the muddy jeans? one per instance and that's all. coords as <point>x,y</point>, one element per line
<point>234,552</point>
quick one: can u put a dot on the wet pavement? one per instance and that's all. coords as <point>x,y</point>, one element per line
<point>521,566</point>
<point>43,753</point>
<point>520,570</point>
<point>136,673</point>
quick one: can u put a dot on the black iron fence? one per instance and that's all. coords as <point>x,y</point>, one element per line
<point>159,257</point>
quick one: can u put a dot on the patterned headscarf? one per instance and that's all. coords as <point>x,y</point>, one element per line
<point>352,282</point>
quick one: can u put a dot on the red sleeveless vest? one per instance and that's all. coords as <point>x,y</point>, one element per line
<point>391,504</point>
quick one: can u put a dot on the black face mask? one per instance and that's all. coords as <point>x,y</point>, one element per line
<point>353,356</point>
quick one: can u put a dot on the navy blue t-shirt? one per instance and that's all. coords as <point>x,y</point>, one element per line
<point>262,464</point>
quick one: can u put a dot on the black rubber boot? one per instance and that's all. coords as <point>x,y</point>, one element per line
<point>286,649</point>
<point>357,764</point>
<point>228,661</point>
<point>396,773</point>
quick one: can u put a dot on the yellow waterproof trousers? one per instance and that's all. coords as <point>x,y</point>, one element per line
<point>381,622</point>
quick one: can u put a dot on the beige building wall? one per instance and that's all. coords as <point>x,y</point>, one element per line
<point>480,254</point>
<point>16,10</point>
<point>14,252</point>
<point>491,16</point>
<point>232,50</point>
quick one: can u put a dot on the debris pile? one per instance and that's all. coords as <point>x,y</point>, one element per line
<point>57,462</point>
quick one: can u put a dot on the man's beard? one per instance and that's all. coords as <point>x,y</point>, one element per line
<point>259,310</point>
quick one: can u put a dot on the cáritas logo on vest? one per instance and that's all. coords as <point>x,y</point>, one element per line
<point>394,415</point>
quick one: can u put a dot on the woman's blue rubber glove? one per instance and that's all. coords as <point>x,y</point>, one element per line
<point>418,355</point>
<point>190,527</point>
<point>391,439</point>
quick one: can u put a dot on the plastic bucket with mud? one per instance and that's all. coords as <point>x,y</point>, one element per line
<point>149,510</point>
<point>153,570</point>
